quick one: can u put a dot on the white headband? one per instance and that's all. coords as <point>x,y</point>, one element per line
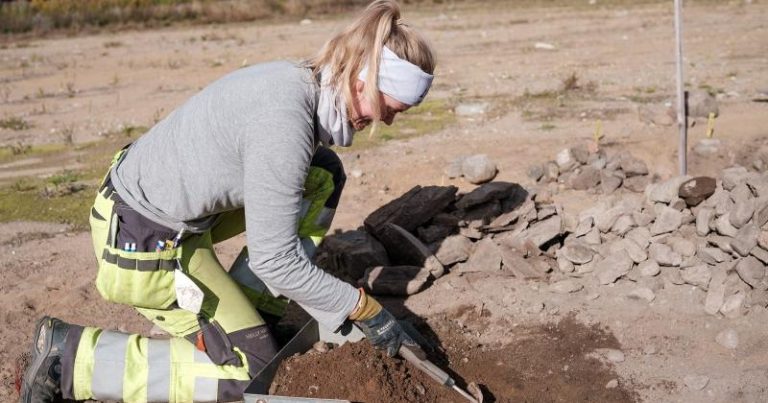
<point>400,79</point>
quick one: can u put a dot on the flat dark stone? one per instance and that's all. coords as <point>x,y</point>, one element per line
<point>696,190</point>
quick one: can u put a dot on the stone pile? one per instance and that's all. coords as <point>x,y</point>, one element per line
<point>701,232</point>
<point>588,168</point>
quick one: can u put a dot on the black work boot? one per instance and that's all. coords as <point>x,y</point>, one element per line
<point>42,379</point>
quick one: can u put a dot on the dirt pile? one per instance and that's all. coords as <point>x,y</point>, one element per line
<point>549,363</point>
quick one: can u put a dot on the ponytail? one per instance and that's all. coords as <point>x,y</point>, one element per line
<point>361,44</point>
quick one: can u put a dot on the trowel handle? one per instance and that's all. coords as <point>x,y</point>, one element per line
<point>425,366</point>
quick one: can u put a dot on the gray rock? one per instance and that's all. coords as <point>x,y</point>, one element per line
<point>733,307</point>
<point>609,181</point>
<point>520,267</point>
<point>752,271</point>
<point>728,338</point>
<point>489,192</point>
<point>611,354</point>
<point>454,168</point>
<point>535,172</point>
<point>649,268</point>
<point>544,231</point>
<point>565,160</point>
<point>741,192</point>
<point>478,169</point>
<point>486,257</point>
<point>664,255</point>
<point>695,382</point>
<point>746,239</point>
<point>546,211</point>
<point>604,220</point>
<point>634,251</point>
<point>454,249</point>
<point>742,212</point>
<point>585,178</point>
<point>707,147</point>
<point>585,225</point>
<point>683,246</point>
<point>762,239</point>
<point>633,166</point>
<point>551,171</point>
<point>577,253</point>
<point>613,267</point>
<point>712,256</point>
<point>734,176</point>
<point>703,219</point>
<point>580,153</point>
<point>760,253</point>
<point>593,237</point>
<point>698,276</point>
<point>623,224</point>
<point>565,265</point>
<point>701,103</point>
<point>642,293</point>
<point>597,160</point>
<point>716,292</point>
<point>641,236</point>
<point>723,226</point>
<point>667,220</point>
<point>678,204</point>
<point>760,218</point>
<point>636,184</point>
<point>698,189</point>
<point>565,287</point>
<point>665,192</point>
<point>395,280</point>
<point>759,184</point>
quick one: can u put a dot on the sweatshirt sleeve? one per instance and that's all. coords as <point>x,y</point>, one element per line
<point>276,163</point>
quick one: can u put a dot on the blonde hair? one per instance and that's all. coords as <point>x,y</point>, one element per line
<point>361,43</point>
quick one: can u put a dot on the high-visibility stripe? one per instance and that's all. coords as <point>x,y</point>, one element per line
<point>159,371</point>
<point>83,371</point>
<point>138,264</point>
<point>206,389</point>
<point>135,378</point>
<point>109,366</point>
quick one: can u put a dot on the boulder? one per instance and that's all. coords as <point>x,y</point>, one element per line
<point>489,192</point>
<point>454,168</point>
<point>454,249</point>
<point>613,267</point>
<point>633,166</point>
<point>565,287</point>
<point>585,178</point>
<point>696,190</point>
<point>609,181</point>
<point>746,239</point>
<point>565,160</point>
<point>703,220</point>
<point>486,257</point>
<point>535,172</point>
<point>700,104</point>
<point>636,184</point>
<point>649,268</point>
<point>664,255</point>
<point>576,253</point>
<point>716,291</point>
<point>478,169</point>
<point>542,232</point>
<point>551,171</point>
<point>667,220</point>
<point>734,176</point>
<point>752,271</point>
<point>698,276</point>
<point>522,268</point>
<point>665,192</point>
<point>412,209</point>
<point>742,212</point>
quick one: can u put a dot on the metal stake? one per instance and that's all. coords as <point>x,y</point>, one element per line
<point>682,115</point>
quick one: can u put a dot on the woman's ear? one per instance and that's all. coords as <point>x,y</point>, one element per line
<point>359,88</point>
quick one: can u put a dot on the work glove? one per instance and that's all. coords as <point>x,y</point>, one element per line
<point>379,326</point>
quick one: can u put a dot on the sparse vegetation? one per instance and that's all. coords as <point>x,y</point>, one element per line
<point>14,123</point>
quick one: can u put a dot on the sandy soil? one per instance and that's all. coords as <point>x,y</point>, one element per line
<point>81,89</point>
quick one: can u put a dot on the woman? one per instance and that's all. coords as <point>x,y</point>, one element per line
<point>242,155</point>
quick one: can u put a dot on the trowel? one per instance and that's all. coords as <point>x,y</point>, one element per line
<point>438,374</point>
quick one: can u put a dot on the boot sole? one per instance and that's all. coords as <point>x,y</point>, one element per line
<point>37,358</point>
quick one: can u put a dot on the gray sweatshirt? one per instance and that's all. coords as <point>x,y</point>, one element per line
<point>245,140</point>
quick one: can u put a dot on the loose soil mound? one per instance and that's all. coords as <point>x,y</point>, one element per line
<point>548,363</point>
